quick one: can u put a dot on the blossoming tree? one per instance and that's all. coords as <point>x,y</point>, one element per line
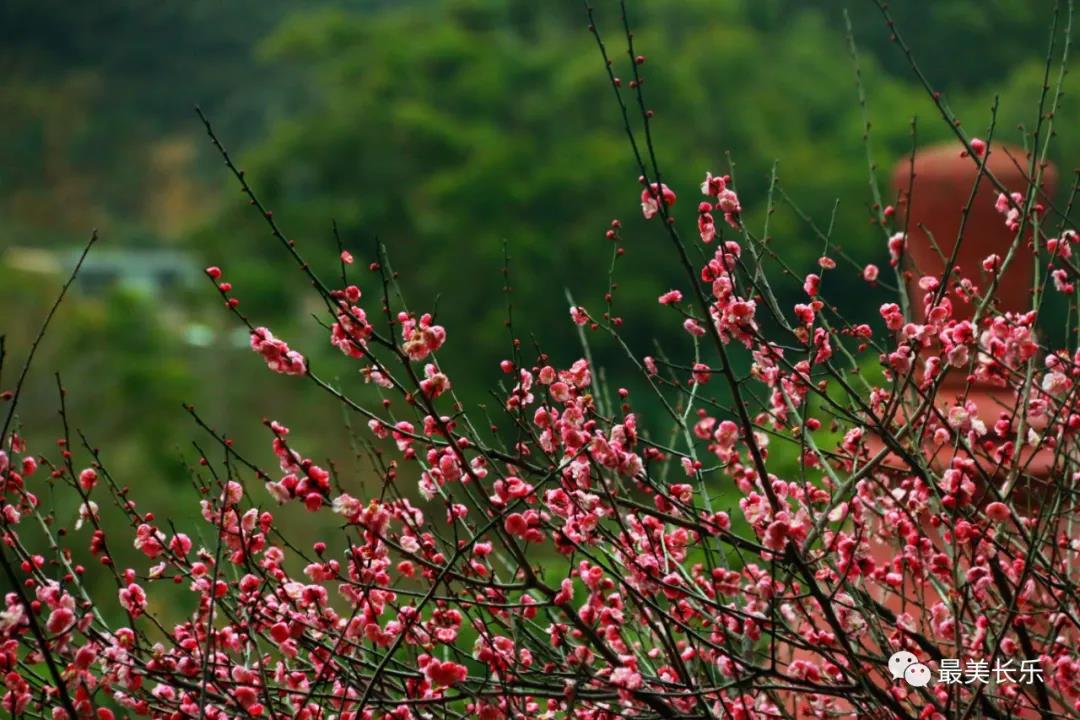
<point>560,560</point>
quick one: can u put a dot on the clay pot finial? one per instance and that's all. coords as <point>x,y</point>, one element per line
<point>940,191</point>
<point>932,203</point>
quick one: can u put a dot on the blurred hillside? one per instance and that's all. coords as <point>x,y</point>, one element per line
<point>443,129</point>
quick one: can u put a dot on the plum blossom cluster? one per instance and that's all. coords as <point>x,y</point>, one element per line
<point>653,196</point>
<point>725,200</point>
<point>657,196</point>
<point>277,354</point>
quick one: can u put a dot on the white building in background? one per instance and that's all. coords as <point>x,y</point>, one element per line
<point>155,272</point>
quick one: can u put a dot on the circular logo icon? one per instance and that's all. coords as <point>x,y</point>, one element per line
<point>917,675</point>
<point>900,661</point>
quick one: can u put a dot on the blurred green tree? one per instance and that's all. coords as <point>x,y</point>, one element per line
<point>444,129</point>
